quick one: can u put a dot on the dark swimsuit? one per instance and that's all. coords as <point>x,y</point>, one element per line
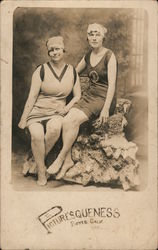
<point>92,101</point>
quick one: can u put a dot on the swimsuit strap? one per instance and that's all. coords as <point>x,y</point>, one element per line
<point>87,56</point>
<point>41,71</point>
<point>107,56</point>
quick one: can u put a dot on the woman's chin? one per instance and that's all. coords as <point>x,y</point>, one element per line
<point>56,60</point>
<point>95,46</point>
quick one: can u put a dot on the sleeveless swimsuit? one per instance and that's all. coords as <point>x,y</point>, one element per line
<point>53,92</point>
<point>92,100</point>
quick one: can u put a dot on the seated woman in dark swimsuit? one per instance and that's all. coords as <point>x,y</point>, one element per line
<point>99,100</point>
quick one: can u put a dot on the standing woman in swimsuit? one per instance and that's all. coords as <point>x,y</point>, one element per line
<point>98,101</point>
<point>46,105</point>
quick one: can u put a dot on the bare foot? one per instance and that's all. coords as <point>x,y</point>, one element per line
<point>42,179</point>
<point>54,168</point>
<point>67,165</point>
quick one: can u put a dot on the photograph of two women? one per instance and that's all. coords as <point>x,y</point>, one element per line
<point>80,105</point>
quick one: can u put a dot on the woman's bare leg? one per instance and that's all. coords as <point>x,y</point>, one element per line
<point>68,163</point>
<point>53,130</point>
<point>71,124</point>
<point>38,150</point>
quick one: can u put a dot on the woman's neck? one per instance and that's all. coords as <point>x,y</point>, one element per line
<point>97,50</point>
<point>58,64</point>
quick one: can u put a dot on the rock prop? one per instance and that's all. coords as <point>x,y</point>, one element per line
<point>103,155</point>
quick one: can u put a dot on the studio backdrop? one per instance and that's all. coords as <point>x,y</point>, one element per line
<point>126,37</point>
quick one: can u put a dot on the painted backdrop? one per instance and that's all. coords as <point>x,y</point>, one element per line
<point>127,37</point>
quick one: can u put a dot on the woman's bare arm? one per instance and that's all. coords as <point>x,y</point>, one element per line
<point>112,71</point>
<point>81,65</point>
<point>76,94</point>
<point>33,94</point>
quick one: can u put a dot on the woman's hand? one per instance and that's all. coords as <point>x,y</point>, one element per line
<point>62,111</point>
<point>103,117</point>
<point>22,124</point>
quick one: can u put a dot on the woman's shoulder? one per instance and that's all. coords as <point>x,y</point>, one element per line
<point>40,71</point>
<point>39,67</point>
<point>109,51</point>
<point>109,54</point>
<point>42,67</point>
<point>72,70</point>
<point>36,70</point>
<point>44,64</point>
<point>70,67</point>
<point>87,55</point>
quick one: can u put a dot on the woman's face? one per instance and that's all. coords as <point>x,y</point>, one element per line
<point>56,53</point>
<point>95,39</point>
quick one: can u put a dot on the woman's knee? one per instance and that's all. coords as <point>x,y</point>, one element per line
<point>54,126</point>
<point>36,132</point>
<point>74,118</point>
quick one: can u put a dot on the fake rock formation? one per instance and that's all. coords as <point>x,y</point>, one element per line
<point>103,154</point>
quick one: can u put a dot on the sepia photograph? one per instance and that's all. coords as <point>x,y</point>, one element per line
<point>79,91</point>
<point>79,125</point>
